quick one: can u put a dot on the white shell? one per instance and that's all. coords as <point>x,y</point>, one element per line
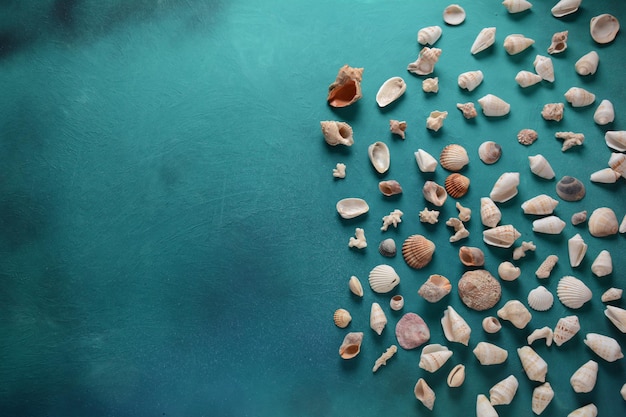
<point>433,357</point>
<point>551,225</point>
<point>501,236</point>
<point>515,312</point>
<point>589,410</point>
<point>484,40</point>
<point>603,264</point>
<point>576,248</point>
<point>455,329</point>
<point>337,133</point>
<point>456,377</point>
<point>430,85</point>
<point>565,7</point>
<point>379,156</point>
<point>490,214</point>
<point>622,225</point>
<point>604,346</point>
<point>617,316</point>
<point>579,97</point>
<point>541,204</point>
<point>612,294</point>
<point>489,354</point>
<point>572,292</point>
<point>491,324</point>
<point>426,60</point>
<point>559,42</point>
<point>540,166</point>
<point>543,333</point>
<point>494,106</point>
<point>605,176</point>
<point>544,67</point>
<point>527,78</point>
<point>355,286</point>
<point>454,15</point>
<point>349,208</point>
<point>584,378</point>
<point>617,161</point>
<point>435,120</point>
<point>540,299</point>
<point>425,161</point>
<point>616,140</point>
<point>542,395</point>
<point>565,329</point>
<point>603,222</point>
<point>383,278</point>
<point>429,35</point>
<point>508,272</point>
<point>505,187</point>
<point>390,91</point>
<point>603,28</point>
<point>588,63</point>
<point>517,6</point>
<point>604,114</point>
<point>504,391</point>
<point>396,303</point>
<point>484,407</point>
<point>424,393</point>
<point>378,320</point>
<point>470,80</point>
<point>516,43</point>
<point>534,365</point>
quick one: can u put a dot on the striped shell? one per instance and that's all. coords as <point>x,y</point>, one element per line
<point>603,222</point>
<point>551,225</point>
<point>453,157</point>
<point>490,354</point>
<point>383,278</point>
<point>378,320</point>
<point>585,377</point>
<point>501,236</point>
<point>342,318</point>
<point>516,43</point>
<point>579,97</point>
<point>490,214</point>
<point>504,391</point>
<point>541,204</point>
<point>604,346</point>
<point>570,189</point>
<point>540,299</point>
<point>387,248</point>
<point>434,357</point>
<point>542,395</point>
<point>417,251</point>
<point>588,63</point>
<point>535,367</point>
<point>470,80</point>
<point>456,185</point>
<point>565,329</point>
<point>572,292</point>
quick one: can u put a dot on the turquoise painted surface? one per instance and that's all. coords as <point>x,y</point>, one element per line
<point>168,238</point>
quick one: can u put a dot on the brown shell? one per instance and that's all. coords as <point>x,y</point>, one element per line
<point>471,256</point>
<point>570,189</point>
<point>417,251</point>
<point>479,290</point>
<point>453,157</point>
<point>457,185</point>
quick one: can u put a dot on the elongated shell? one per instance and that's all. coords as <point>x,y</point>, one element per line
<point>379,156</point>
<point>603,264</point>
<point>484,407</point>
<point>490,354</point>
<point>424,394</point>
<point>453,157</point>
<point>603,222</point>
<point>612,294</point>
<point>603,28</point>
<point>516,43</point>
<point>417,251</point>
<point>504,391</point>
<point>490,214</point>
<point>505,187</point>
<point>349,208</point>
<point>579,97</point>
<point>494,106</point>
<point>584,378</point>
<point>484,40</point>
<point>378,320</point>
<point>541,204</point>
<point>572,292</point>
<point>542,396</point>
<point>351,345</point>
<point>342,318</point>
<point>604,114</point>
<point>355,286</point>
<point>551,225</point>
<point>565,7</point>
<point>434,357</point>
<point>527,78</point>
<point>617,316</point>
<point>615,139</point>
<point>604,346</point>
<point>544,67</point>
<point>390,91</point>
<point>454,327</point>
<point>517,6</point>
<point>435,288</point>
<point>577,248</point>
<point>429,35</point>
<point>605,176</point>
<point>565,329</point>
<point>383,278</point>
<point>540,166</point>
<point>515,312</point>
<point>589,410</point>
<point>501,236</point>
<point>470,80</point>
<point>534,365</point>
<point>540,299</point>
<point>425,161</point>
<point>587,64</point>
<point>456,377</point>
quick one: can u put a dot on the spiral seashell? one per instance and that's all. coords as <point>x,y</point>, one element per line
<point>516,6</point>
<point>434,193</point>
<point>426,60</point>
<point>337,133</point>
<point>544,270</point>
<point>387,248</point>
<point>565,329</point>
<point>383,278</point>
<point>417,251</point>
<point>504,391</point>
<point>435,120</point>
<point>505,187</point>
<point>501,236</point>
<point>425,161</point>
<point>470,80</point>
<point>515,312</point>
<point>551,225</point>
<point>540,299</point>
<point>543,333</point>
<point>454,15</point>
<point>579,97</point>
<point>604,114</point>
<point>526,79</point>
<point>484,407</point>
<point>565,7</point>
<point>494,106</point>
<point>435,288</point>
<point>508,272</point>
<point>553,111</point>
<point>616,139</point>
<point>390,187</point>
<point>587,64</point>
<point>457,185</point>
<point>346,89</point>
<point>429,35</point>
<point>349,208</point>
<point>455,329</point>
<point>570,189</point>
<point>604,346</point>
<point>379,156</point>
<point>355,286</point>
<point>456,377</point>
<point>603,28</point>
<point>453,157</point>
<point>351,345</point>
<point>584,379</point>
<point>542,396</point>
<point>424,394</point>
<point>544,67</point>
<point>605,176</point>
<point>485,38</point>
<point>434,357</point>
<point>572,292</point>
<point>491,324</point>
<point>378,320</point>
<point>396,303</point>
<point>397,128</point>
<point>577,248</point>
<point>579,217</point>
<point>540,205</point>
<point>617,162</point>
<point>516,43</point>
<point>430,85</point>
<point>471,256</point>
<point>589,410</point>
<point>603,222</point>
<point>559,43</point>
<point>468,109</point>
<point>490,214</point>
<point>617,316</point>
<point>540,166</point>
<point>479,290</point>
<point>612,294</point>
<point>603,264</point>
<point>489,152</point>
<point>490,354</point>
<point>534,365</point>
<point>390,91</point>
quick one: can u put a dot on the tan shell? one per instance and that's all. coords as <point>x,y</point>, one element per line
<point>559,43</point>
<point>434,357</point>
<point>603,264</point>
<point>516,43</point>
<point>397,127</point>
<point>534,365</point>
<point>579,217</point>
<point>501,236</point>
<point>544,67</point>
<point>351,345</point>
<point>378,320</point>
<point>527,78</point>
<point>603,222</point>
<point>347,87</point>
<point>617,316</point>
<point>540,205</point>
<point>543,333</point>
<point>471,256</point>
<point>490,214</point>
<point>456,377</point>
<point>378,153</point>
<point>540,299</point>
<point>396,303</point>
<point>551,225</point>
<point>431,85</point>
<point>520,251</point>
<point>603,28</point>
<point>516,6</point>
<point>434,193</point>
<point>490,354</point>
<point>426,60</point>
<point>572,292</point>
<point>505,187</point>
<point>542,396</point>
<point>479,290</point>
<point>576,248</point>
<point>468,109</point>
<point>424,394</point>
<point>544,270</point>
<point>454,15</point>
<point>355,286</point>
<point>337,133</point>
<point>484,407</point>
<point>435,288</point>
<point>565,329</point>
<point>579,97</point>
<point>584,378</point>
<point>383,278</point>
<point>604,114</point>
<point>491,324</point>
<point>615,139</point>
<point>553,111</point>
<point>425,161</point>
<point>494,106</point>
<point>417,251</point>
<point>587,64</point>
<point>489,152</point>
<point>485,38</point>
<point>349,208</point>
<point>565,7</point>
<point>515,312</point>
<point>589,410</point>
<point>504,391</point>
<point>604,346</point>
<point>342,318</point>
<point>540,166</point>
<point>457,185</point>
<point>429,216</point>
<point>429,35</point>
<point>612,294</point>
<point>617,161</point>
<point>390,91</point>
<point>470,80</point>
<point>453,157</point>
<point>435,120</point>
<point>390,187</point>
<point>605,176</point>
<point>454,327</point>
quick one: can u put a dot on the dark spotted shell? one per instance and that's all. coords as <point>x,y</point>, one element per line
<point>570,189</point>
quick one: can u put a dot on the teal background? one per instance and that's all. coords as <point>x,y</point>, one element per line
<point>168,237</point>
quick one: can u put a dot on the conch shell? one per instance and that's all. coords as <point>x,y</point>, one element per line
<point>434,357</point>
<point>501,236</point>
<point>494,106</point>
<point>454,327</point>
<point>390,91</point>
<point>516,43</point>
<point>434,193</point>
<point>559,43</point>
<point>605,176</point>
<point>347,87</point>
<point>534,366</point>
<point>484,40</point>
<point>579,97</point>
<point>589,410</point>
<point>435,288</point>
<point>587,64</point>
<point>429,35</point>
<point>425,63</point>
<point>435,120</point>
<point>337,133</point>
<point>351,345</point>
<point>551,225</point>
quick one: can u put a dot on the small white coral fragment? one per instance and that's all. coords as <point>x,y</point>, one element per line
<point>544,270</point>
<point>359,240</point>
<point>382,360</point>
<point>429,216</point>
<point>543,333</point>
<point>570,139</point>
<point>339,171</point>
<point>465,213</point>
<point>520,251</point>
<point>431,85</point>
<point>460,232</point>
<point>392,219</point>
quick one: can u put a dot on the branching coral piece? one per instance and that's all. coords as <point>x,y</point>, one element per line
<point>460,231</point>
<point>359,241</point>
<point>339,171</point>
<point>392,219</point>
<point>429,216</point>
<point>391,350</point>
<point>570,139</point>
<point>465,214</point>
<point>397,127</point>
<point>520,251</point>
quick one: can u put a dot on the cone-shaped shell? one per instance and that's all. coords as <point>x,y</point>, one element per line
<point>490,354</point>
<point>504,391</point>
<point>424,394</point>
<point>494,106</point>
<point>604,346</point>
<point>603,28</point>
<point>505,187</point>
<point>615,139</point>
<point>337,133</point>
<point>484,40</point>
<point>390,91</point>
<point>540,166</point>
<point>617,162</point>
<point>453,157</point>
<point>379,156</point>
<point>540,299</point>
<point>456,377</point>
<point>425,161</point>
<point>489,152</point>
<point>434,357</point>
<point>349,208</point>
<point>434,193</point>
<point>565,329</point>
<point>355,286</point>
<point>378,320</point>
<point>579,97</point>
<point>417,251</point>
<point>454,15</point>
<point>429,35</point>
<point>383,278</point>
<point>425,63</point>
<point>542,395</point>
<point>484,407</point>
<point>435,288</point>
<point>587,64</point>
<point>342,318</point>
<point>517,6</point>
<point>612,294</point>
<point>544,67</point>
<point>617,316</point>
<point>515,312</point>
<point>541,204</point>
<point>516,43</point>
<point>527,78</point>
<point>508,272</point>
<point>454,327</point>
<point>577,248</point>
<point>551,225</point>
<point>351,345</point>
<point>491,324</point>
<point>584,379</point>
<point>603,264</point>
<point>589,410</point>
<point>565,7</point>
<point>490,214</point>
<point>604,114</point>
<point>501,236</point>
<point>605,176</point>
<point>603,222</point>
<point>534,365</point>
<point>470,80</point>
<point>347,87</point>
<point>572,292</point>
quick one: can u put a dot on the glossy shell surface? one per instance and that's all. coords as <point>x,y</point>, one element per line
<point>349,208</point>
<point>383,278</point>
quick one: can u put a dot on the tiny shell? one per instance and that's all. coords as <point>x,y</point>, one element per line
<point>584,379</point>
<point>454,15</point>
<point>603,264</point>
<point>603,222</point>
<point>617,316</point>
<point>397,128</point>
<point>434,357</point>
<point>431,85</point>
<point>453,157</point>
<point>337,133</point>
<point>426,60</point>
<point>527,136</point>
<point>412,331</point>
<point>515,312</point>
<point>455,329</point>
<point>470,80</point>
<point>544,67</point>
<point>604,346</point>
<point>508,272</point>
<point>339,171</point>
<point>456,377</point>
<point>435,120</point>
<point>484,407</point>
<point>390,187</point>
<point>516,6</point>
<point>551,225</point>
<point>559,42</point>
<point>435,288</point>
<point>604,114</point>
<point>544,270</point>
<point>540,166</point>
<point>516,43</point>
<point>587,64</point>
<point>579,217</point>
<point>390,91</point>
<point>429,35</point>
<point>468,109</point>
<point>505,187</point>
<point>540,299</point>
<point>543,333</point>
<point>378,320</point>
<point>379,156</point>
<point>387,248</point>
<point>434,193</point>
<point>534,365</point>
<point>396,303</point>
<point>471,256</point>
<point>605,176</point>
<point>490,214</point>
<point>489,152</point>
<point>424,393</point>
<point>429,216</point>
<point>612,294</point>
<point>457,185</point>
<point>417,251</point>
<point>346,89</point>
<point>501,236</point>
<point>540,205</point>
<point>355,286</point>
<point>425,161</point>
<point>603,28</point>
<point>491,324</point>
<point>484,40</point>
<point>553,111</point>
<point>479,290</point>
<point>342,318</point>
<point>570,189</point>
<point>616,140</point>
<point>494,106</point>
<point>565,329</point>
<point>383,278</point>
<point>589,410</point>
<point>577,248</point>
<point>542,396</point>
<point>526,78</point>
<point>349,208</point>
<point>565,7</point>
<point>572,292</point>
<point>490,354</point>
<point>351,345</point>
<point>579,97</point>
<point>504,391</point>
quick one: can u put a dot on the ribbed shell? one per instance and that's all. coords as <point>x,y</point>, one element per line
<point>584,378</point>
<point>429,35</point>
<point>565,329</point>
<point>540,299</point>
<point>504,391</point>
<point>605,176</point>
<point>342,318</point>
<point>378,320</point>
<point>490,354</point>
<point>542,395</point>
<point>579,97</point>
<point>534,365</point>
<point>455,329</point>
<point>457,185</point>
<point>383,278</point>
<point>603,222</point>
<point>453,157</point>
<point>572,292</point>
<point>490,214</point>
<point>501,236</point>
<point>540,205</point>
<point>604,346</point>
<point>540,166</point>
<point>434,357</point>
<point>417,251</point>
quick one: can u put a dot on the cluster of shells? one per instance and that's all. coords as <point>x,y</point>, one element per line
<point>478,289</point>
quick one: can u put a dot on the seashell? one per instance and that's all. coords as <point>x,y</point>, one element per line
<point>605,176</point>
<point>577,248</point>
<point>460,232</point>
<point>456,185</point>
<point>435,120</point>
<point>604,346</point>
<point>471,256</point>
<point>434,357</point>
<point>454,327</point>
<point>544,67</point>
<point>417,251</point>
<point>429,216</point>
<point>349,208</point>
<point>470,80</point>
<point>390,91</point>
<point>570,139</point>
<point>570,189</point>
<point>453,157</point>
<point>617,162</point>
<point>508,272</point>
<point>494,106</point>
<point>434,193</point>
<point>337,133</point>
<point>486,37</point>
<point>412,331</point>
<point>602,265</point>
<point>515,312</point>
<point>553,111</point>
<point>540,166</point>
<point>604,28</point>
<point>355,286</point>
<point>429,35</point>
<point>491,325</point>
<point>392,219</point>
<point>504,391</point>
<point>617,316</point>
<point>587,64</point>
<point>382,360</point>
<point>456,377</point>
<point>479,290</point>
<point>540,299</point>
<point>526,79</point>
<point>612,294</point>
<point>534,366</point>
<point>603,222</point>
<point>551,225</point>
<point>605,114</point>
<point>489,152</point>
<point>589,410</point>
<point>424,393</point>
<point>559,43</point>
<point>579,217</point>
<point>425,161</point>
<point>517,6</point>
<point>541,204</point>
<point>390,187</point>
<point>383,278</point>
<point>516,43</point>
<point>426,60</point>
<point>342,318</point>
<point>584,379</point>
<point>454,15</point>
<point>572,292</point>
<point>565,329</point>
<point>490,214</point>
<point>579,97</point>
<point>616,139</point>
<point>435,288</point>
<point>347,87</point>
<point>501,236</point>
<point>378,320</point>
<point>351,345</point>
<point>484,407</point>
<point>505,187</point>
<point>527,136</point>
<point>565,7</point>
<point>542,395</point>
<point>490,354</point>
<point>397,128</point>
<point>430,85</point>
<point>543,333</point>
<point>468,109</point>
<point>544,270</point>
<point>623,391</point>
<point>379,156</point>
<point>465,213</point>
<point>622,225</point>
<point>387,248</point>
<point>397,302</point>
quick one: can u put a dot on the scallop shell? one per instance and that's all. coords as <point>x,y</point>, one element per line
<point>579,97</point>
<point>553,111</point>
<point>484,407</point>
<point>565,7</point>
<point>603,264</point>
<point>489,152</point>
<point>453,157</point>
<point>540,205</point>
<point>604,346</point>
<point>508,272</point>
<point>396,303</point>
<point>435,288</point>
<point>540,299</point>
<point>349,208</point>
<point>516,43</point>
<point>577,248</point>
<point>565,329</point>
<point>617,162</point>
<point>424,394</point>
<point>426,60</point>
<point>425,161</point>
<point>584,379</point>
<point>351,345</point>
<point>337,133</point>
<point>589,410</point>
<point>342,318</point>
<point>540,166</point>
<point>542,395</point>
<point>454,327</point>
<point>612,294</point>
<point>429,35</point>
<point>397,128</point>
<point>572,292</point>
<point>435,120</point>
<point>355,286</point>
<point>434,193</point>
<point>543,333</point>
<point>490,214</point>
<point>430,85</point>
<point>470,80</point>
<point>378,320</point>
<point>544,67</point>
<point>390,187</point>
<point>504,391</point>
<point>383,278</point>
<point>454,15</point>
<point>494,106</point>
<point>603,28</point>
<point>501,236</point>
<point>544,270</point>
<point>486,37</point>
<point>417,251</point>
<point>468,109</point>
<point>434,357</point>
<point>490,354</point>
<point>457,185</point>
<point>505,187</point>
<point>526,78</point>
<point>559,43</point>
<point>605,114</point>
<point>517,6</point>
<point>346,89</point>
<point>617,316</point>
<point>587,64</point>
<point>471,256</point>
<point>570,189</point>
<point>379,156</point>
<point>491,324</point>
<point>579,217</point>
<point>616,139</point>
<point>456,377</point>
<point>390,91</point>
<point>551,225</point>
<point>605,176</point>
<point>515,312</point>
<point>534,365</point>
<point>603,222</point>
<point>387,248</point>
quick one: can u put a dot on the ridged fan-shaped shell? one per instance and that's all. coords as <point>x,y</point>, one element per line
<point>383,278</point>
<point>565,329</point>
<point>540,299</point>
<point>434,357</point>
<point>504,391</point>
<point>505,187</point>
<point>541,204</point>
<point>584,378</point>
<point>542,396</point>
<point>603,222</point>
<point>417,251</point>
<point>535,367</point>
<point>390,91</point>
<point>490,354</point>
<point>572,292</point>
<point>453,157</point>
<point>454,327</point>
<point>490,214</point>
<point>604,346</point>
<point>501,236</point>
<point>342,318</point>
<point>457,185</point>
